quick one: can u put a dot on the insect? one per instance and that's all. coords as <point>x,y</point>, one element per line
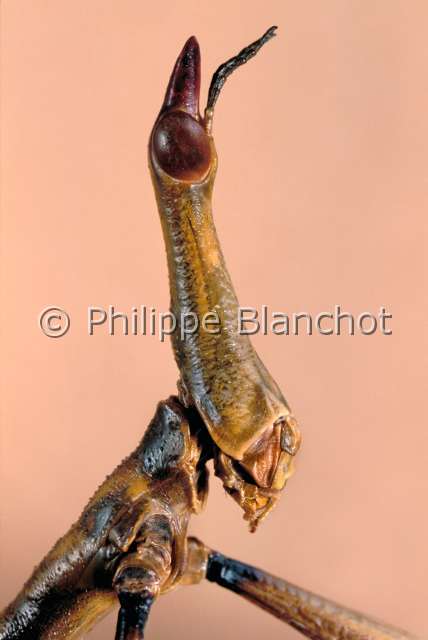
<point>130,544</point>
<point>311,614</point>
<point>131,536</point>
<point>221,375</point>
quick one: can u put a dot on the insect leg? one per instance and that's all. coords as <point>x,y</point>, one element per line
<point>133,614</point>
<point>140,576</point>
<point>314,616</point>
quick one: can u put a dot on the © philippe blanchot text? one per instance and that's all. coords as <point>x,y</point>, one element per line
<point>142,321</point>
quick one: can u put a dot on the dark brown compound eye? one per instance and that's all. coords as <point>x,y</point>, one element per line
<point>181,147</point>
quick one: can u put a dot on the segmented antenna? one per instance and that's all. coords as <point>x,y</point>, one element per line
<point>228,67</point>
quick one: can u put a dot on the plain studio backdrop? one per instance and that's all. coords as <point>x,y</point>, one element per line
<point>320,199</point>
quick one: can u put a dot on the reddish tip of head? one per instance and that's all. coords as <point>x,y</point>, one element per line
<point>184,85</point>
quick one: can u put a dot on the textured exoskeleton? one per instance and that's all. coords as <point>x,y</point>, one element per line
<point>313,615</point>
<point>130,537</point>
<point>220,372</point>
<point>129,544</point>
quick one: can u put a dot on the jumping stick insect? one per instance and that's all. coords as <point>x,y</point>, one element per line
<point>221,375</point>
<point>130,544</point>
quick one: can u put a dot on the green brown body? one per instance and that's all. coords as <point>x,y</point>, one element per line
<point>220,372</point>
<point>219,368</point>
<point>162,480</point>
<point>131,540</point>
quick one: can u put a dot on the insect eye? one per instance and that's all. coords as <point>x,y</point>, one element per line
<point>181,147</point>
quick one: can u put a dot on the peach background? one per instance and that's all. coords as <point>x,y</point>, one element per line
<point>321,199</point>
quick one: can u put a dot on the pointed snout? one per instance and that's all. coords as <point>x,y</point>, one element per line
<point>184,85</point>
<point>179,144</point>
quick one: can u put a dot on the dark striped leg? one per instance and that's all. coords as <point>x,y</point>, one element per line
<point>314,616</point>
<point>133,614</point>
